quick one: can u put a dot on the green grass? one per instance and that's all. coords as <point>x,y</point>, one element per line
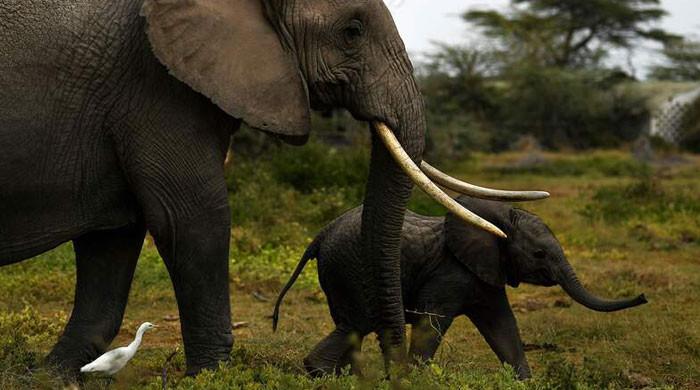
<point>595,165</point>
<point>626,227</point>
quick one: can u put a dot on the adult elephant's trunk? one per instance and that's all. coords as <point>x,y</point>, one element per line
<point>398,139</point>
<point>571,284</point>
<point>392,101</point>
<point>387,193</point>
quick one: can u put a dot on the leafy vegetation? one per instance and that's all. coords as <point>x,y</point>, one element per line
<point>684,61</point>
<point>691,128</point>
<point>539,69</point>
<point>568,34</point>
<point>628,227</point>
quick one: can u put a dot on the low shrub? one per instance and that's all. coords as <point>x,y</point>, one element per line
<point>284,199</point>
<point>691,129</point>
<point>24,333</point>
<point>644,198</point>
<point>565,108</point>
<point>317,166</point>
<point>659,216</point>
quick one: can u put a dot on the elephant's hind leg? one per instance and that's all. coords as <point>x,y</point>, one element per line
<point>334,353</point>
<point>105,263</point>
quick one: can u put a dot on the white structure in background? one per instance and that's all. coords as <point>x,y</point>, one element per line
<point>667,121</point>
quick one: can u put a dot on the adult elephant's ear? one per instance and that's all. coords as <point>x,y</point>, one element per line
<point>478,250</point>
<point>228,51</point>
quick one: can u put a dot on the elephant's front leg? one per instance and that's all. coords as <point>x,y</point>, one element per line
<point>426,335</point>
<point>496,322</point>
<point>195,251</point>
<point>105,263</point>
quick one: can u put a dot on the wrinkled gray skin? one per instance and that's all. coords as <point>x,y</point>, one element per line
<point>115,118</point>
<point>448,269</point>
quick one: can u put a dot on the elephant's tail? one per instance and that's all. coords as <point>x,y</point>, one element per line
<point>310,253</point>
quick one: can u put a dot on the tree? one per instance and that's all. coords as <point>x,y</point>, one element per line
<point>683,62</point>
<point>460,98</point>
<point>456,78</point>
<point>571,33</point>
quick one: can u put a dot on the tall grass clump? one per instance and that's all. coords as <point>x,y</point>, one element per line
<point>650,209</point>
<point>644,198</point>
<point>24,333</point>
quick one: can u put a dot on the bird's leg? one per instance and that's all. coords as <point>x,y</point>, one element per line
<point>105,263</point>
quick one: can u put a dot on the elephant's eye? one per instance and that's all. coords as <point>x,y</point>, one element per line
<point>539,254</point>
<point>353,32</point>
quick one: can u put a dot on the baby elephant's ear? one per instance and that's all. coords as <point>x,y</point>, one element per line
<point>228,51</point>
<point>477,249</point>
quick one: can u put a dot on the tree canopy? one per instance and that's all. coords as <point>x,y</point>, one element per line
<point>683,62</point>
<point>568,33</point>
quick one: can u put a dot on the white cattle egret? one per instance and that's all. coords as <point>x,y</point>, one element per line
<point>113,361</point>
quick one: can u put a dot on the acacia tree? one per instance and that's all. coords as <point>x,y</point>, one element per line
<point>570,34</point>
<point>683,59</point>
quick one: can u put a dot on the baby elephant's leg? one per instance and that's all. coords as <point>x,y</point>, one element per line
<point>496,322</point>
<point>351,355</point>
<point>426,335</point>
<point>333,353</point>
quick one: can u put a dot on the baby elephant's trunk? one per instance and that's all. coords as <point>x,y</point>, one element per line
<point>573,287</point>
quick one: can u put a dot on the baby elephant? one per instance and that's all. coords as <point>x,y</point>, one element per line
<point>448,268</point>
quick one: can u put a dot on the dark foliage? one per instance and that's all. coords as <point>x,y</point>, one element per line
<point>683,58</point>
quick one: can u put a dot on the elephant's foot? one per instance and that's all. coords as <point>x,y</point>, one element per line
<point>69,354</point>
<point>207,352</point>
<point>393,345</point>
<point>316,367</point>
<point>105,262</point>
<point>332,354</point>
<point>523,371</point>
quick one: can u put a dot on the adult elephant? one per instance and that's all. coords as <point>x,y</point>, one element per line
<point>115,117</point>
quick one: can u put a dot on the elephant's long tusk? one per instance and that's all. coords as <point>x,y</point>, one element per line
<point>453,184</point>
<point>425,184</point>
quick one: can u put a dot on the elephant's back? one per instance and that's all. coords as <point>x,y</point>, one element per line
<point>38,36</point>
<point>54,54</point>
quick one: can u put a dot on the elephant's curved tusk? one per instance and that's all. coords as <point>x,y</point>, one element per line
<point>455,185</point>
<point>417,176</point>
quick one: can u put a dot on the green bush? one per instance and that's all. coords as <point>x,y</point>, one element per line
<point>316,166</point>
<point>645,199</point>
<point>287,195</point>
<point>565,108</point>
<point>24,333</point>
<point>475,105</point>
<point>691,129</point>
<point>662,218</point>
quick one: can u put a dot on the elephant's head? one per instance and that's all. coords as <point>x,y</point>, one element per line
<point>531,254</point>
<point>269,62</point>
